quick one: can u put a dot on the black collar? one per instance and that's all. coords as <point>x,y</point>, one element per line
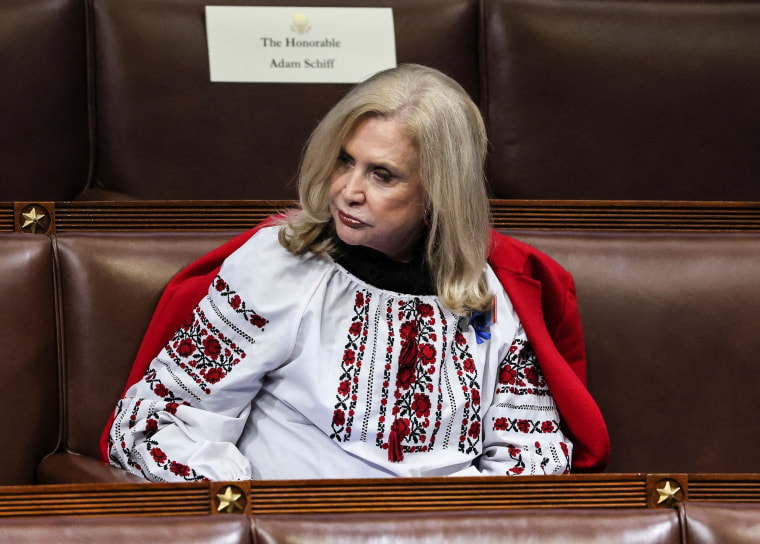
<point>373,267</point>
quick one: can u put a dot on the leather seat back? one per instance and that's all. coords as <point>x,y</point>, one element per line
<point>164,131</point>
<point>44,147</point>
<point>110,285</point>
<point>670,324</point>
<point>484,527</point>
<point>29,417</point>
<point>623,100</point>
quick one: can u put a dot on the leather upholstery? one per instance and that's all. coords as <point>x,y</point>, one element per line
<point>44,149</point>
<point>693,523</point>
<point>165,131</point>
<point>73,468</point>
<point>721,523</point>
<point>126,529</point>
<point>671,335</point>
<point>114,280</point>
<point>504,527</point>
<point>623,99</point>
<point>583,99</point>
<point>484,527</point>
<point>669,320</point>
<point>28,356</point>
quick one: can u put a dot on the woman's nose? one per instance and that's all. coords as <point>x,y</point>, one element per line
<point>353,190</point>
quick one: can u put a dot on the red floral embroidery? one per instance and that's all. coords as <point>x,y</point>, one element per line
<point>421,405</point>
<point>212,348</point>
<point>344,388</point>
<point>526,426</point>
<point>474,431</point>
<point>238,304</point>
<point>186,347</point>
<point>151,426</point>
<point>214,375</point>
<point>425,310</point>
<point>411,428</point>
<point>158,455</point>
<point>534,377</point>
<point>163,462</point>
<point>380,440</point>
<point>519,372</point>
<point>258,321</point>
<point>339,418</point>
<point>469,365</point>
<point>507,375</point>
<point>179,469</point>
<point>160,390</point>
<point>428,353</point>
<point>353,353</point>
<point>516,455</point>
<point>202,351</point>
<point>469,441</point>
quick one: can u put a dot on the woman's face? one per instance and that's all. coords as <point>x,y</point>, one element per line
<point>376,196</point>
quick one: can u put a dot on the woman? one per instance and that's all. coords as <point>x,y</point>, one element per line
<point>359,335</point>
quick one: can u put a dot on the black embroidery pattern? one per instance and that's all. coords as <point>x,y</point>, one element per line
<point>353,355</point>
<point>519,372</point>
<point>467,372</point>
<point>413,388</point>
<point>203,351</point>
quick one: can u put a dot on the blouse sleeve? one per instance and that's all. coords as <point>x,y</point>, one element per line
<point>522,426</point>
<point>182,420</point>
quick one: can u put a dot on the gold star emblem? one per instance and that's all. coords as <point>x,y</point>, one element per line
<point>32,220</point>
<point>231,500</point>
<point>667,494</point>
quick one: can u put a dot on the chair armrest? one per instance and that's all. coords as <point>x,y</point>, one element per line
<point>72,468</point>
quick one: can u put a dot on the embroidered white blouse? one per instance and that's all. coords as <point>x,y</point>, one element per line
<point>293,368</point>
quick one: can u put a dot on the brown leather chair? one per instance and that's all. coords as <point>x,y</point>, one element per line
<point>670,322</point>
<point>484,527</point>
<point>590,99</point>
<point>28,356</point>
<point>109,286</point>
<point>44,147</point>
<point>126,529</point>
<point>721,523</point>
<point>670,325</point>
<point>164,131</point>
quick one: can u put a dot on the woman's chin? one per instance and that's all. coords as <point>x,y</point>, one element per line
<point>351,238</point>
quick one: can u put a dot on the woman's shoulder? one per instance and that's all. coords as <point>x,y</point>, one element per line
<point>263,250</point>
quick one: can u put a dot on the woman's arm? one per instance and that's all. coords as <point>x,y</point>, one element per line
<point>522,426</point>
<point>181,421</point>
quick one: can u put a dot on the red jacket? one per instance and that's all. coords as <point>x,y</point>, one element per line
<point>541,291</point>
<point>543,295</point>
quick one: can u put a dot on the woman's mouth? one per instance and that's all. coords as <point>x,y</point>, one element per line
<point>349,221</point>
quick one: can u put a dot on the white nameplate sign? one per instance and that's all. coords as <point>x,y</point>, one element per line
<point>298,44</point>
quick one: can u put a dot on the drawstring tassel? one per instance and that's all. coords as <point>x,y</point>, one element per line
<point>395,451</point>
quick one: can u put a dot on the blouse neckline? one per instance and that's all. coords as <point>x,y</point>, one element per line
<point>376,269</point>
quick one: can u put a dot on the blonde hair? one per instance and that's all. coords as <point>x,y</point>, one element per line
<point>446,128</point>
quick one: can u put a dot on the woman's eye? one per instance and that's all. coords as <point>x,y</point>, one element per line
<point>383,175</point>
<point>345,159</point>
